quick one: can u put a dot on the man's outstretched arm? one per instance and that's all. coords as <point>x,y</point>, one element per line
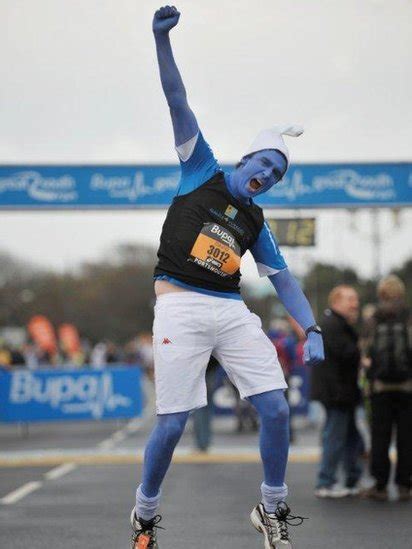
<point>270,263</point>
<point>184,121</point>
<point>297,305</point>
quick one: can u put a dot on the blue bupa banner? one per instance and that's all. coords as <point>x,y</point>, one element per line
<point>224,395</point>
<point>111,187</point>
<point>49,395</point>
<point>298,393</point>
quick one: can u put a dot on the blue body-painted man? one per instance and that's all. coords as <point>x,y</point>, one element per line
<point>199,311</point>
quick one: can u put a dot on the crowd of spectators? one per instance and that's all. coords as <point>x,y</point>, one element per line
<point>98,356</point>
<point>369,366</point>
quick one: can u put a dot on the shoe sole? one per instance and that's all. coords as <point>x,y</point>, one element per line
<point>332,496</point>
<point>136,545</point>
<point>257,523</point>
<point>381,499</point>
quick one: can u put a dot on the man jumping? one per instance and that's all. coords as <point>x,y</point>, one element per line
<point>211,223</point>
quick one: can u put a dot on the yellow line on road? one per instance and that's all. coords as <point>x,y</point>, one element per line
<point>129,459</point>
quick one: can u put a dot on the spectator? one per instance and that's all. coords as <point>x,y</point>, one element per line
<point>145,353</point>
<point>280,334</point>
<point>364,383</point>
<point>281,337</point>
<point>17,357</point>
<point>335,385</point>
<point>31,355</point>
<point>103,354</point>
<point>112,353</point>
<point>131,352</point>
<point>390,375</point>
<point>5,356</point>
<point>246,416</point>
<point>98,356</point>
<point>202,417</point>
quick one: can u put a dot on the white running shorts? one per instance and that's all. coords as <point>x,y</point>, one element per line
<point>189,327</point>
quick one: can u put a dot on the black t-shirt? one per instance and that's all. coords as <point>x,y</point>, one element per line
<point>204,236</point>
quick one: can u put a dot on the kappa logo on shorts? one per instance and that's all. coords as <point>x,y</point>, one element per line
<point>166,341</point>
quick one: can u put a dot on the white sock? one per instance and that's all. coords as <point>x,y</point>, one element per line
<point>272,495</point>
<point>146,507</point>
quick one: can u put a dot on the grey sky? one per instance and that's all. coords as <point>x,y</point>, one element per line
<point>80,85</point>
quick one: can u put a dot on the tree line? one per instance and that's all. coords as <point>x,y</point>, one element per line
<point>113,298</point>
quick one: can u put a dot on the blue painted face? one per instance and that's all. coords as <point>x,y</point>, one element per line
<point>257,173</point>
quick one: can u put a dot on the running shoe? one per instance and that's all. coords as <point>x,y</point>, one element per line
<point>375,492</point>
<point>353,491</point>
<point>333,492</point>
<point>144,533</point>
<point>274,526</point>
<point>404,493</point>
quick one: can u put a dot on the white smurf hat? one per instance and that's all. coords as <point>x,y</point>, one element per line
<point>272,139</point>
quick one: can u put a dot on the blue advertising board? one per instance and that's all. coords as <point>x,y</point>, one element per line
<point>352,185</point>
<point>55,395</point>
<point>224,395</point>
<point>298,393</point>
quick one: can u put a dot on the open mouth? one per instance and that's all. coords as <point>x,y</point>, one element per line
<point>255,184</point>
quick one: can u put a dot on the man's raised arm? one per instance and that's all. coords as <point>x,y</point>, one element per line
<point>184,121</point>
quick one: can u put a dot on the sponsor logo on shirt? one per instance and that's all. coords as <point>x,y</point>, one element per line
<point>224,236</point>
<point>231,211</point>
<point>222,217</point>
<point>217,250</point>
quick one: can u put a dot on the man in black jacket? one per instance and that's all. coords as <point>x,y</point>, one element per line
<point>334,383</point>
<point>389,349</point>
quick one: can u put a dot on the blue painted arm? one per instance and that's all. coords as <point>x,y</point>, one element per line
<point>184,121</point>
<point>295,302</point>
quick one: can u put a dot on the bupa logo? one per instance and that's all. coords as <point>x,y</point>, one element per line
<point>225,236</point>
<point>133,187</point>
<point>68,394</point>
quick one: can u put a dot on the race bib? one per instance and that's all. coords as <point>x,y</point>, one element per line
<point>216,249</point>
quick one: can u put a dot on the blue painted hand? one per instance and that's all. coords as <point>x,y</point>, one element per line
<point>165,19</point>
<point>313,351</point>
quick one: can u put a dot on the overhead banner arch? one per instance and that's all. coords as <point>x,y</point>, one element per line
<point>355,185</point>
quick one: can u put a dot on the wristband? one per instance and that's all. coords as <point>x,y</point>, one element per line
<point>314,328</point>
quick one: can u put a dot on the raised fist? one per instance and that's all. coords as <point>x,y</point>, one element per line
<point>165,19</point>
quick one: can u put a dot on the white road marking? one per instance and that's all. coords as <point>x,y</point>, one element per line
<point>60,471</point>
<point>106,444</point>
<point>21,492</point>
<point>29,487</point>
<point>135,425</point>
